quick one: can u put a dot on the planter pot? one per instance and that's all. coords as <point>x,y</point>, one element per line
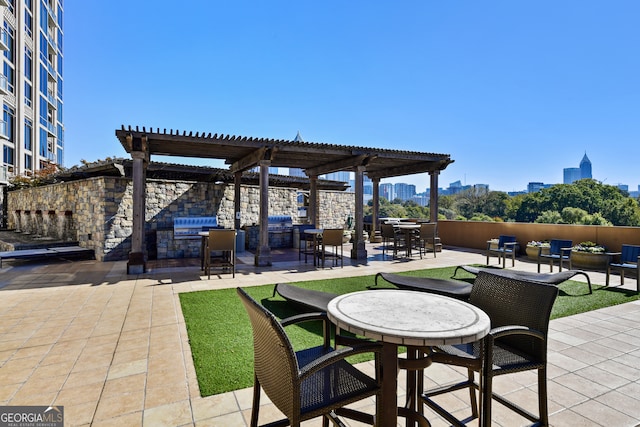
<point>532,252</point>
<point>588,260</point>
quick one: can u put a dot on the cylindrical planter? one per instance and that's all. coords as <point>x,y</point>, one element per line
<point>589,260</point>
<point>532,252</point>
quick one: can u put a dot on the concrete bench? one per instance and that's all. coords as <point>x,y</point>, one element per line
<point>188,227</point>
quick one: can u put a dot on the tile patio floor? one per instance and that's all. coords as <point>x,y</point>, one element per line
<point>113,349</point>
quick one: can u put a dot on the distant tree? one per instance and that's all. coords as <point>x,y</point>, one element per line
<point>549,217</point>
<point>495,204</point>
<point>480,217</point>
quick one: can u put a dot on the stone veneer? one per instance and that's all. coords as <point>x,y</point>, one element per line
<point>97,212</point>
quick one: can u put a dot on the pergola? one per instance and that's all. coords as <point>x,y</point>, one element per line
<point>243,153</point>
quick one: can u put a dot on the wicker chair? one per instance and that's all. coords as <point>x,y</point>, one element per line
<point>391,236</point>
<point>559,250</point>
<point>332,238</point>
<point>519,312</point>
<point>220,251</point>
<point>308,383</point>
<point>428,238</point>
<point>507,245</point>
<point>626,260</point>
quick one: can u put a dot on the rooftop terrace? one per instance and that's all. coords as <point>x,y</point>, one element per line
<point>112,348</point>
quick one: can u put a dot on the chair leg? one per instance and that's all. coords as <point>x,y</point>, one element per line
<point>542,397</point>
<point>472,394</point>
<point>255,408</point>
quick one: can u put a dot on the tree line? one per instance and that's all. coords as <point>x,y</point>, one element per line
<point>586,201</point>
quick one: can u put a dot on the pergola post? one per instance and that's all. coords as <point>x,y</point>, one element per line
<point>236,199</point>
<point>433,196</point>
<point>140,156</point>
<point>263,253</point>
<point>313,200</point>
<point>373,235</point>
<point>359,251</point>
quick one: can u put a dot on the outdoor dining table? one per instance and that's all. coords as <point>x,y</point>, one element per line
<point>405,318</point>
<point>408,230</point>
<point>317,235</point>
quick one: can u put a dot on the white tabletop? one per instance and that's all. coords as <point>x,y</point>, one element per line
<point>408,317</point>
<point>313,231</point>
<point>407,226</point>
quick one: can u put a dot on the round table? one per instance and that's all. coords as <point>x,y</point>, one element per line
<point>399,317</point>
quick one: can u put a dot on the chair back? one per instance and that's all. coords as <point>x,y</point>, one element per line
<point>505,239</point>
<point>387,231</point>
<point>428,230</point>
<point>274,359</point>
<point>332,236</point>
<point>510,301</point>
<point>630,254</point>
<point>222,240</point>
<point>556,245</point>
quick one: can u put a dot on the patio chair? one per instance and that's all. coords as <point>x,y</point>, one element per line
<point>519,311</point>
<point>332,238</point>
<point>390,235</point>
<point>507,245</point>
<point>428,237</point>
<point>220,251</point>
<point>308,383</point>
<point>627,260</point>
<point>559,250</point>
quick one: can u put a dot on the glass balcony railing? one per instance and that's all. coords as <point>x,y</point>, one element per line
<point>4,85</point>
<point>4,130</point>
<point>4,39</point>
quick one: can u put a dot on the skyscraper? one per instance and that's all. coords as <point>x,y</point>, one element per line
<point>31,83</point>
<point>573,174</point>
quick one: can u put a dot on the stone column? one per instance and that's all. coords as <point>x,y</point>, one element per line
<point>263,253</point>
<point>359,250</point>
<point>137,262</point>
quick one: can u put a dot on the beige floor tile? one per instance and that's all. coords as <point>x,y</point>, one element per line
<point>173,414</point>
<point>122,404</point>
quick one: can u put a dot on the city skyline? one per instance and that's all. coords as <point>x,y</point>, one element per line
<point>512,91</point>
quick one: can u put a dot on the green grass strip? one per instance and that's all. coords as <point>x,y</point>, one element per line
<point>220,333</point>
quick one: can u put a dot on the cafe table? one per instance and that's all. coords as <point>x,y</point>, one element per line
<point>405,318</point>
<point>408,229</point>
<point>317,235</point>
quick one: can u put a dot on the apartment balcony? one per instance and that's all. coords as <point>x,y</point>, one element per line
<point>4,39</point>
<point>4,130</point>
<point>51,129</point>
<point>51,98</point>
<point>4,85</point>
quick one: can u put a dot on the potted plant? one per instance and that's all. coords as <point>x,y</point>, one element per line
<point>534,246</point>
<point>589,255</point>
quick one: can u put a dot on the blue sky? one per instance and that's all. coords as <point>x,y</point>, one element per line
<point>514,91</point>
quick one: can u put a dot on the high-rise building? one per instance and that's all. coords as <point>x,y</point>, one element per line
<point>585,167</point>
<point>571,175</point>
<point>31,83</point>
<point>386,190</point>
<point>297,171</point>
<point>404,191</point>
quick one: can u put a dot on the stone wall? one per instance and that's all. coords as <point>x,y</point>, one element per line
<point>98,212</point>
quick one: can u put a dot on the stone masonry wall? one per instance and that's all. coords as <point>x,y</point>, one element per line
<point>97,212</point>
